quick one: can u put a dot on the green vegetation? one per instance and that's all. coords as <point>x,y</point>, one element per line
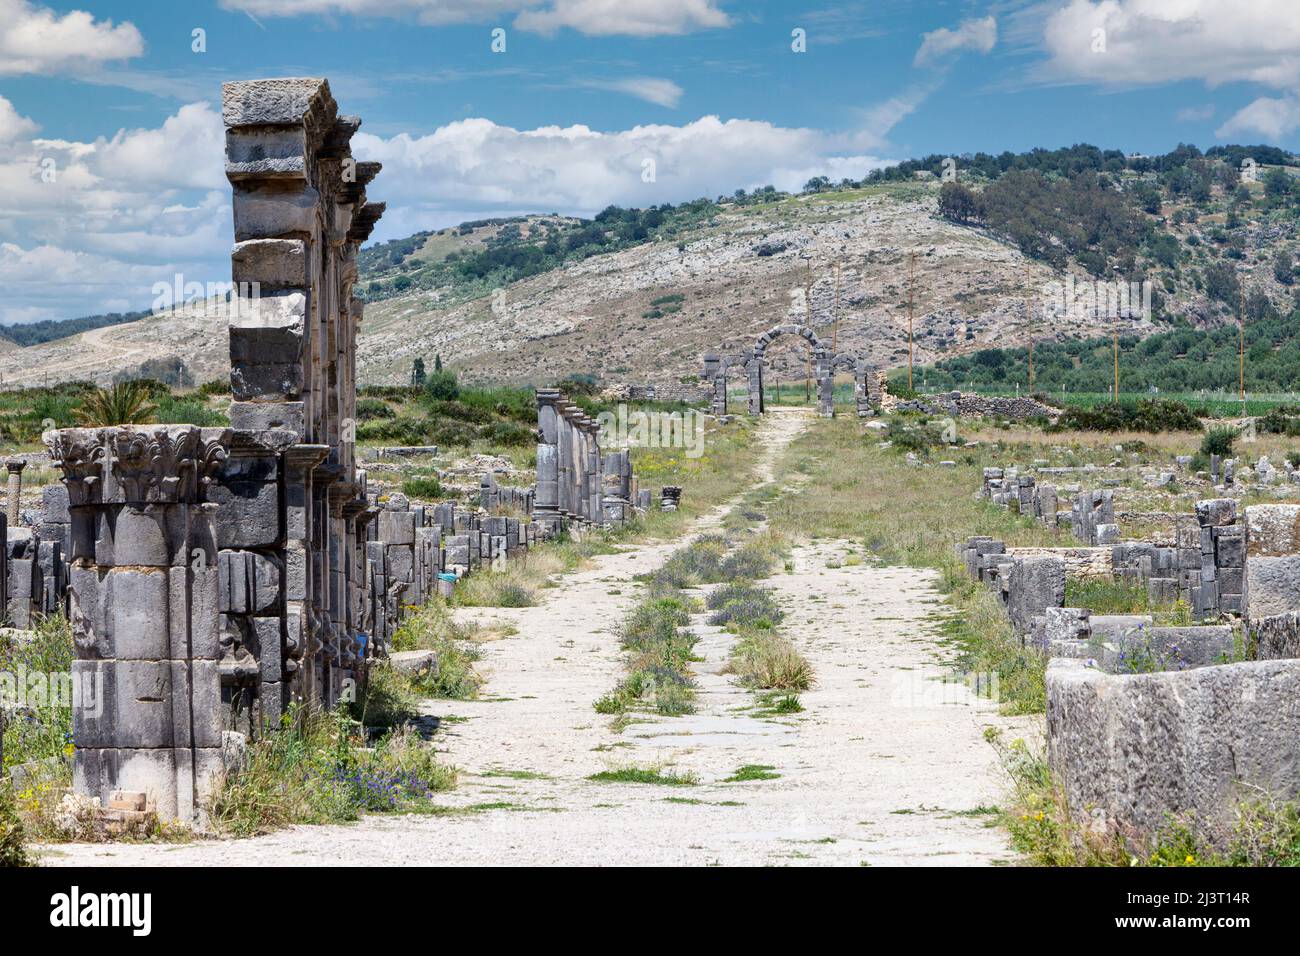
<point>1182,360</point>
<point>316,768</point>
<point>123,403</point>
<point>432,628</point>
<point>46,731</point>
<point>1144,415</point>
<point>656,775</point>
<point>12,851</point>
<point>752,771</point>
<point>481,255</point>
<point>1265,833</point>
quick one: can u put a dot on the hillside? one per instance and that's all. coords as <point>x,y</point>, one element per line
<point>639,295</point>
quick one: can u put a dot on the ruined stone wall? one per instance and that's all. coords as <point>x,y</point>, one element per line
<point>144,599</point>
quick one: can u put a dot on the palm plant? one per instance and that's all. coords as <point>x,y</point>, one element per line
<point>124,403</point>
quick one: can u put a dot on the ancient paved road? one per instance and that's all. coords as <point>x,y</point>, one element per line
<point>887,765</point>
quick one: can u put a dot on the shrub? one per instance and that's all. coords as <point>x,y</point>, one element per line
<point>765,660</point>
<point>123,403</point>
<point>422,487</point>
<point>1219,441</point>
<point>432,628</point>
<point>442,385</point>
<point>371,408</point>
<point>12,851</point>
<point>314,769</point>
<point>743,605</point>
<point>1145,415</point>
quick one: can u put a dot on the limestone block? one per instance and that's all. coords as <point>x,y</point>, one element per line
<point>249,515</point>
<point>273,102</point>
<point>1132,749</point>
<point>266,382</point>
<point>397,527</point>
<point>265,416</point>
<point>1034,584</point>
<point>271,210</point>
<point>137,609</point>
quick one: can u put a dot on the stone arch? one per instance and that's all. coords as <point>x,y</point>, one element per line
<point>821,359</point>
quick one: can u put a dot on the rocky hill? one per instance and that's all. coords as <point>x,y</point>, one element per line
<point>639,295</point>
<point>647,313</point>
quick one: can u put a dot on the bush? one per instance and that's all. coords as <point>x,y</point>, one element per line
<point>1145,415</point>
<point>12,851</point>
<point>743,605</point>
<point>371,408</point>
<point>1219,441</point>
<point>314,769</point>
<point>442,386</point>
<point>765,660</point>
<point>432,628</point>
<point>422,487</point>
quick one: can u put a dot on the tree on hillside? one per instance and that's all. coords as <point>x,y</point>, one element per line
<point>1284,267</point>
<point>417,371</point>
<point>960,204</point>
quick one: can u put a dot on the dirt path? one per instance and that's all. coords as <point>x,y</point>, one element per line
<point>886,765</point>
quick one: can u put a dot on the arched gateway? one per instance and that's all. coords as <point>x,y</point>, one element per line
<point>717,366</point>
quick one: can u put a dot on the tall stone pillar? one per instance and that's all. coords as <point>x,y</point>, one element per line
<point>15,468</point>
<point>754,367</point>
<point>715,376</point>
<point>825,386</point>
<point>546,506</point>
<point>143,597</point>
<point>300,213</point>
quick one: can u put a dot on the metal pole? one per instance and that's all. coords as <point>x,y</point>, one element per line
<point>911,283</point>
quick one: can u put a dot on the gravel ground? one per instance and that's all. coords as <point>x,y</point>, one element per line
<point>886,765</point>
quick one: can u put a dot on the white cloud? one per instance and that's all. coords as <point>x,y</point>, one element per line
<point>478,165</point>
<point>625,17</point>
<point>1273,117</point>
<point>593,17</point>
<point>1195,114</point>
<point>37,40</point>
<point>118,214</point>
<point>134,208</point>
<point>430,12</point>
<point>978,35</point>
<point>12,125</point>
<point>651,89</point>
<point>1162,41</point>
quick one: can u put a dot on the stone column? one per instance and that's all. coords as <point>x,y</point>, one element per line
<point>15,468</point>
<point>546,505</point>
<point>144,595</point>
<point>754,367</point>
<point>825,386</point>
<point>715,376</point>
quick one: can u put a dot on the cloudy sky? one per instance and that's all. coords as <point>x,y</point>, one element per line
<point>111,144</point>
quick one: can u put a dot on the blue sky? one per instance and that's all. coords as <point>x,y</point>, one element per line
<point>112,97</point>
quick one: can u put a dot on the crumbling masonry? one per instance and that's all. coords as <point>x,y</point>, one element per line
<point>219,575</point>
<point>866,380</point>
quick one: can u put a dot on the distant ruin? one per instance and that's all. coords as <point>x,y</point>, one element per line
<point>826,364</point>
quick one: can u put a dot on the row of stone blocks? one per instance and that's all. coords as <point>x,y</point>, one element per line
<point>1006,487</point>
<point>1147,724</point>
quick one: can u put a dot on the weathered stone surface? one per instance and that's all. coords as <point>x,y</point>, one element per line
<point>1034,585</point>
<point>1129,750</point>
<point>276,102</point>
